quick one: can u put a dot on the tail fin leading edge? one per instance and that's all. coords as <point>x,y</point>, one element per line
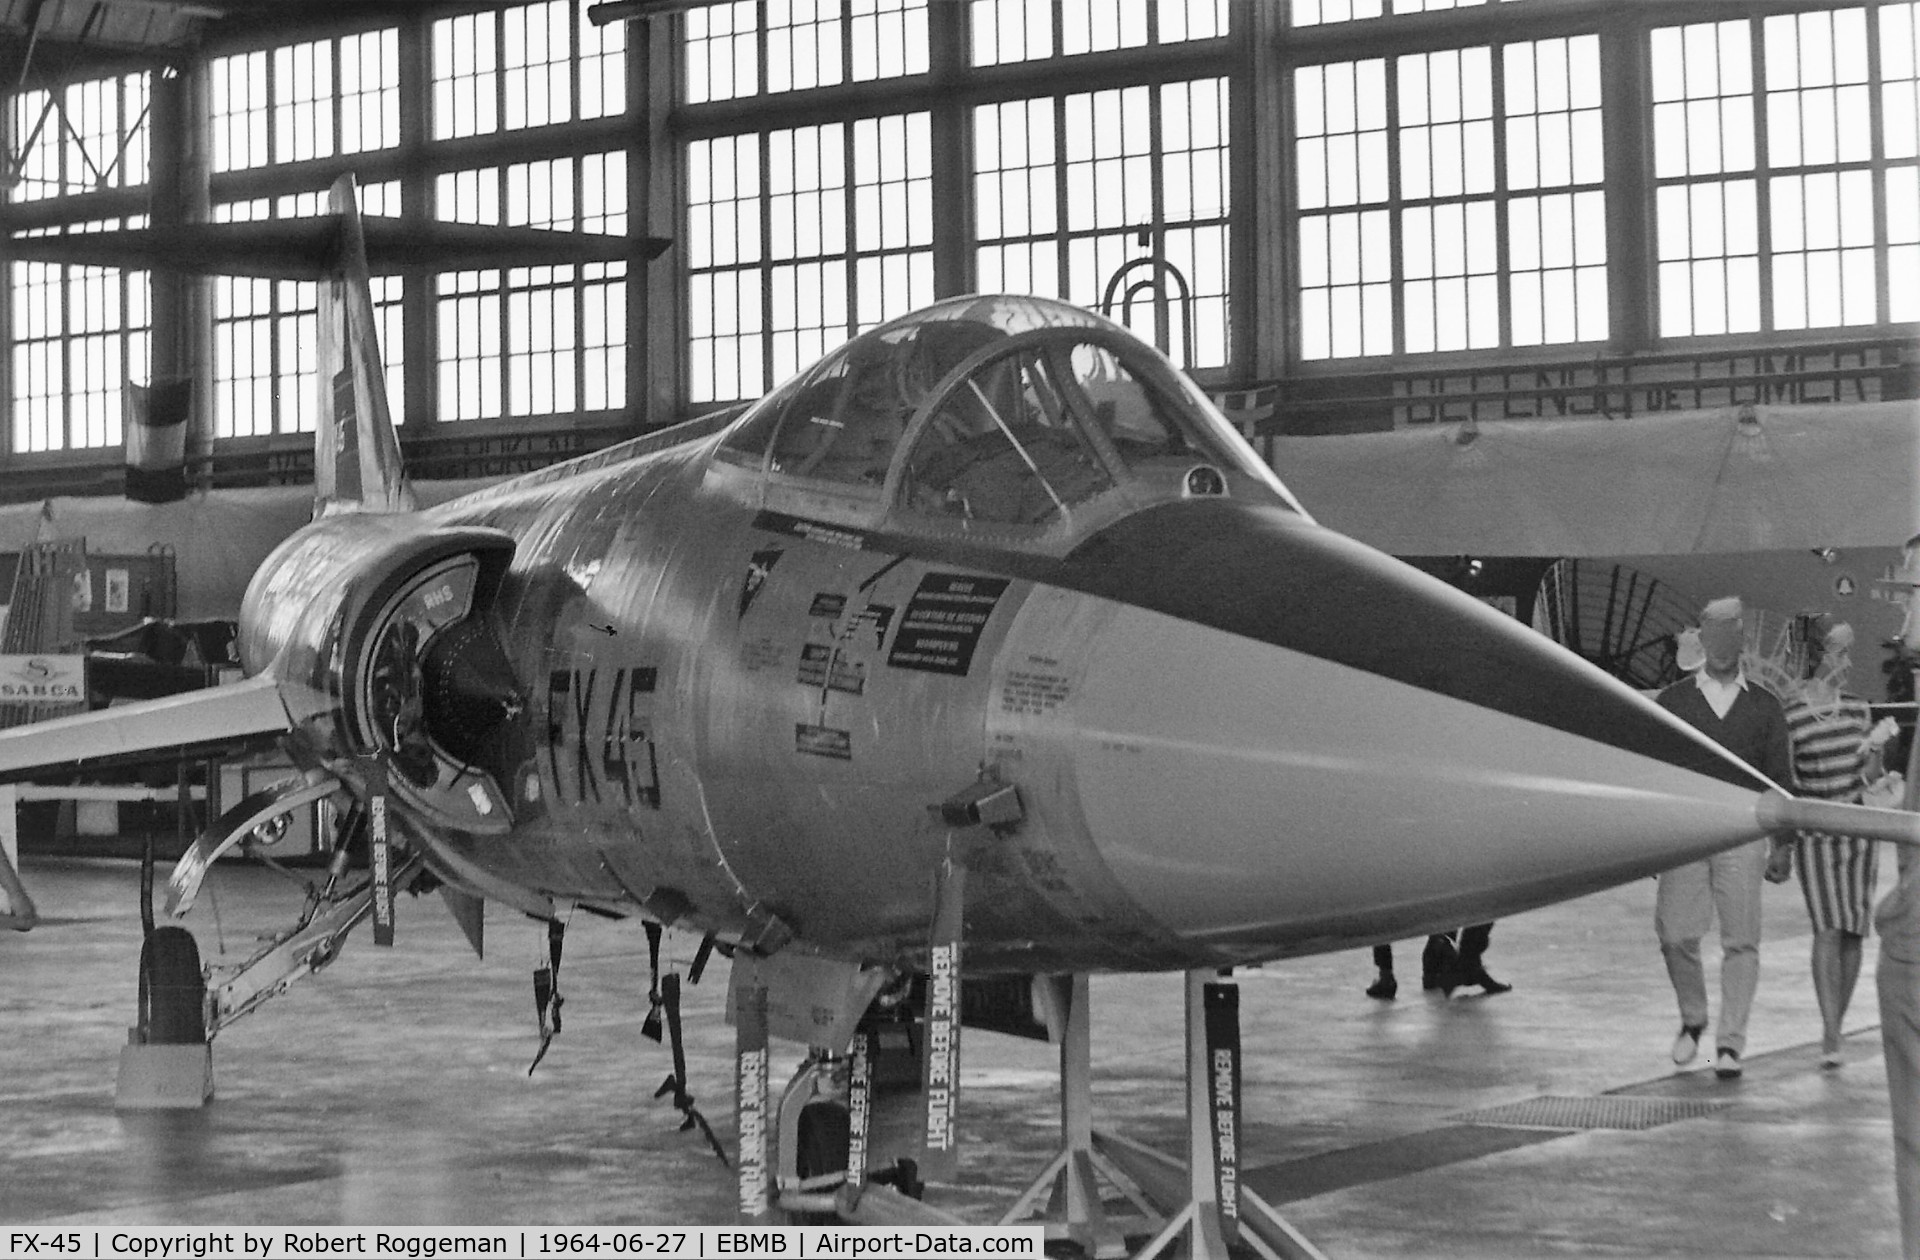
<point>356,462</point>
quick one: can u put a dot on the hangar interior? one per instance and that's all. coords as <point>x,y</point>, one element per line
<point>1343,218</point>
<point>1340,216</point>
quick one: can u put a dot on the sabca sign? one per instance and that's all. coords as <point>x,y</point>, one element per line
<point>43,679</point>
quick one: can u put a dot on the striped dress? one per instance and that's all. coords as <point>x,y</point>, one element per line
<point>1837,873</point>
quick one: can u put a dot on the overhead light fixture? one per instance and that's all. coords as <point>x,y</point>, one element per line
<point>608,12</point>
<point>177,8</point>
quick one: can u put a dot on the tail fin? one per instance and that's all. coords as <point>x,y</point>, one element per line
<point>356,454</point>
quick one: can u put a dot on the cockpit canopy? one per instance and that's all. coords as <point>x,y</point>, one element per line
<point>1006,416</point>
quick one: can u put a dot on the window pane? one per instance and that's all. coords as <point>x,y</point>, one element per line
<point>544,340</point>
<point>1063,219</point>
<point>835,236</point>
<point>80,334</point>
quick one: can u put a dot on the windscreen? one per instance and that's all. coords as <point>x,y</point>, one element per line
<point>1055,419</point>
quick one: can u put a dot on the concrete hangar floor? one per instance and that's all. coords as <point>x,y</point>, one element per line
<point>393,1089</point>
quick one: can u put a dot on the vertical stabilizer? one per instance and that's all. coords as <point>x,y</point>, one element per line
<point>356,464</point>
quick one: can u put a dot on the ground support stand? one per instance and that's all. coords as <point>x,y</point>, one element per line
<point>1069,1189</point>
<point>1174,1199</point>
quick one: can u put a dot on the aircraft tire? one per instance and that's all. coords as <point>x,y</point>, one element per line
<point>172,991</point>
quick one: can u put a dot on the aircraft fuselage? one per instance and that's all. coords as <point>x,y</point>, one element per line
<point>748,718</point>
<point>995,548</point>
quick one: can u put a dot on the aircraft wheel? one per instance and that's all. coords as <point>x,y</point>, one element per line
<point>172,990</point>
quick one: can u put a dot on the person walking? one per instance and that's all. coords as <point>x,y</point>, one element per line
<point>1444,964</point>
<point>1836,753</point>
<point>1748,721</point>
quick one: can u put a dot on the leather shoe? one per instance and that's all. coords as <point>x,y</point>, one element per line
<point>1438,959</point>
<point>1687,1044</point>
<point>1487,983</point>
<point>1384,988</point>
<point>1726,1064</point>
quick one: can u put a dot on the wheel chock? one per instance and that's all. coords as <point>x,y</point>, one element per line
<point>883,1205</point>
<point>155,1077</point>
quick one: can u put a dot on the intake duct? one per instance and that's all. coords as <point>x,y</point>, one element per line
<point>389,617</point>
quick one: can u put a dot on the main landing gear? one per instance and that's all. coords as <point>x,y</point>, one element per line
<point>168,1061</point>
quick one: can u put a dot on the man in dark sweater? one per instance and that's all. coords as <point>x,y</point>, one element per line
<point>1748,721</point>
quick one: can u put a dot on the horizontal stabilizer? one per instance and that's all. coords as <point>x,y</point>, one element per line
<point>304,248</point>
<point>198,721</point>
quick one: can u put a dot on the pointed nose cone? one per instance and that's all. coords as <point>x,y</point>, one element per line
<point>1288,742</point>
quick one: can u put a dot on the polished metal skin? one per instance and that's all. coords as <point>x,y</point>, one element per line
<point>746,671</point>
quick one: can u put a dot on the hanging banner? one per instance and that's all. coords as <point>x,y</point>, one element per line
<point>755,1179</point>
<point>379,851</point>
<point>1221,1004</point>
<point>940,1069</point>
<point>859,1107</point>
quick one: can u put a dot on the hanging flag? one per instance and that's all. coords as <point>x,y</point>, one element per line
<point>155,431</point>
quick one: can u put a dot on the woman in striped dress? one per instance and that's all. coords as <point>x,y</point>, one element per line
<point>1832,760</point>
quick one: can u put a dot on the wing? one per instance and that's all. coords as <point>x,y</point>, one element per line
<point>193,723</point>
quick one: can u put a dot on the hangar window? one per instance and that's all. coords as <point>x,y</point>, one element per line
<point>798,237</point>
<point>1026,30</point>
<point>528,65</point>
<point>534,80</point>
<point>1822,220</point>
<point>1556,242</point>
<point>265,332</point>
<point>803,44</point>
<point>534,341</point>
<point>1073,193</point>
<point>241,125</point>
<point>465,76</point>
<point>1451,200</point>
<point>1315,12</point>
<point>1448,232</point>
<point>79,333</point>
<point>304,101</point>
<point>79,138</point>
<point>369,84</point>
<point>1703,126</point>
<point>1346,252</point>
<point>1900,111</point>
<point>1780,205</point>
